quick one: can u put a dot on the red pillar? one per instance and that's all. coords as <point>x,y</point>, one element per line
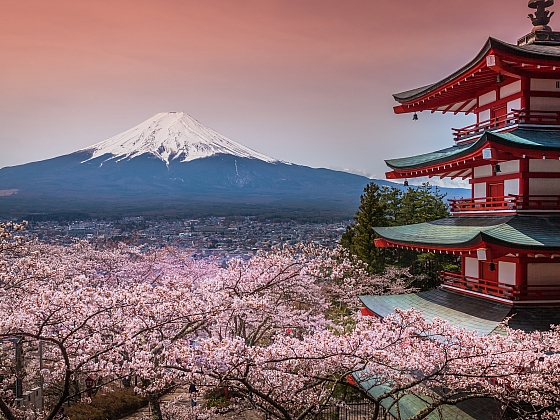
<point>524,179</point>
<point>525,91</point>
<point>521,273</point>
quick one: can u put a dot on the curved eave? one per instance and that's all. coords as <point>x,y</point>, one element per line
<point>389,240</point>
<point>441,157</point>
<point>419,93</point>
<point>457,91</point>
<point>467,234</point>
<point>458,160</point>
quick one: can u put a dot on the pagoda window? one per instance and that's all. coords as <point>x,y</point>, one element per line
<point>544,186</point>
<point>515,104</point>
<point>510,89</point>
<point>539,103</point>
<point>544,165</point>
<point>487,98</point>
<point>543,274</point>
<point>511,187</point>
<point>507,272</point>
<point>471,267</point>
<point>545,85</point>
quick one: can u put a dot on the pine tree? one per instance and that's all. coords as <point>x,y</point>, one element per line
<point>359,237</point>
<point>389,206</point>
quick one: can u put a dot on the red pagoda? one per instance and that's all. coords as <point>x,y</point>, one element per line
<point>507,234</point>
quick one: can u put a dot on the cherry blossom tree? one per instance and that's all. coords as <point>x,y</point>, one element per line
<point>389,361</point>
<point>279,331</point>
<point>92,312</point>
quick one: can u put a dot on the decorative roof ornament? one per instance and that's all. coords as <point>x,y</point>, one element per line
<point>541,18</point>
<point>541,34</point>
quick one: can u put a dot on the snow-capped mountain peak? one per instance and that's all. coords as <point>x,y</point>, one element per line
<point>172,136</point>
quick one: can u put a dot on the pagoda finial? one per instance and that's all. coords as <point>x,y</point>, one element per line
<point>542,17</point>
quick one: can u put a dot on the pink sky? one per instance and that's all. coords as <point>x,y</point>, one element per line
<point>305,81</point>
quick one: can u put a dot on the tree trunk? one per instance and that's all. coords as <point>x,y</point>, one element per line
<point>155,406</point>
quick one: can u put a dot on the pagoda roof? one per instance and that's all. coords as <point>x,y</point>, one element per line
<point>468,312</point>
<point>460,157</point>
<point>457,92</point>
<point>469,232</point>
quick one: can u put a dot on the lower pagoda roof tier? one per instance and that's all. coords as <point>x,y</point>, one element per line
<point>466,234</point>
<point>458,160</point>
<point>468,312</point>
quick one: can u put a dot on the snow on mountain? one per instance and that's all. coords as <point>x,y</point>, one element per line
<point>172,136</point>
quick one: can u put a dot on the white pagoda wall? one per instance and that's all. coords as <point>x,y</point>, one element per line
<point>544,103</point>
<point>537,186</point>
<point>511,186</point>
<point>544,165</point>
<point>543,273</point>
<point>545,85</point>
<point>487,98</point>
<point>508,95</point>
<point>506,272</point>
<point>509,167</point>
<point>479,188</point>
<point>510,89</point>
<point>544,186</point>
<point>471,267</point>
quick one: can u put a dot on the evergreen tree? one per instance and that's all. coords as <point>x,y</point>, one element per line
<point>374,211</point>
<point>389,206</point>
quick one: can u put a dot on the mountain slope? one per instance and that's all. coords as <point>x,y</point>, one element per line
<point>171,136</point>
<point>173,165</point>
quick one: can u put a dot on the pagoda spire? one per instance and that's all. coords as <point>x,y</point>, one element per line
<point>541,18</point>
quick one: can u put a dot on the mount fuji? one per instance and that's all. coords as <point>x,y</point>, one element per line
<point>172,165</point>
<point>171,136</point>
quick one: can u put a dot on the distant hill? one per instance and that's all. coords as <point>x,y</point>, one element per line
<point>173,166</point>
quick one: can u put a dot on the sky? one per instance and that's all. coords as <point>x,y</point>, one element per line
<point>304,81</point>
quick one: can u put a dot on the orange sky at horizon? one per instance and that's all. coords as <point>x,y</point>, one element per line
<point>305,81</point>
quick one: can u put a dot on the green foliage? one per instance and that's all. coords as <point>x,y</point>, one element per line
<point>113,405</point>
<point>389,206</point>
<point>374,210</point>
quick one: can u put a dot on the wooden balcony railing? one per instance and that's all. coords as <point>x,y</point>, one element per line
<point>510,202</point>
<point>472,284</point>
<point>501,290</point>
<point>511,119</point>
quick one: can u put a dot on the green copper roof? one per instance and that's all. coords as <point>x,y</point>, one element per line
<point>527,232</point>
<point>462,311</point>
<point>409,405</point>
<point>521,137</point>
<point>468,312</point>
<point>439,156</point>
<point>528,138</point>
